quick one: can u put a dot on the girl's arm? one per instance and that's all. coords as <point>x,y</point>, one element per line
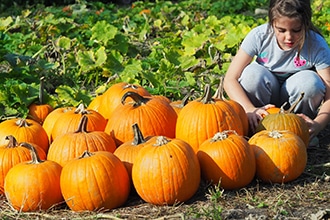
<point>323,117</point>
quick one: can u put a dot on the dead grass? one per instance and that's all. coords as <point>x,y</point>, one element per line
<point>308,197</point>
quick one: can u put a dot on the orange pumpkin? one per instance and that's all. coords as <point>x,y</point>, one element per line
<point>39,111</point>
<point>228,159</point>
<point>200,119</point>
<point>128,151</point>
<point>113,95</point>
<point>51,119</point>
<point>96,103</point>
<point>94,181</point>
<point>69,121</point>
<point>281,156</point>
<point>13,154</point>
<point>234,105</point>
<point>72,144</point>
<point>33,185</point>
<point>286,120</point>
<point>153,115</point>
<point>166,171</point>
<point>24,130</point>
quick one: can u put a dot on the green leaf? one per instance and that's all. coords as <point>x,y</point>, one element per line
<point>103,32</point>
<point>5,22</point>
<point>64,43</point>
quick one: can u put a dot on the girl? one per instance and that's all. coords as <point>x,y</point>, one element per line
<point>291,57</point>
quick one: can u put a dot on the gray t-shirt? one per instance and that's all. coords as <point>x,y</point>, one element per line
<point>261,42</point>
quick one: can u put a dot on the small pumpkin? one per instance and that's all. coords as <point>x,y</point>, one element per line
<point>281,156</point>
<point>128,151</point>
<point>33,185</point>
<point>94,181</point>
<point>72,144</point>
<point>39,111</point>
<point>12,154</point>
<point>153,115</point>
<point>228,159</point>
<point>51,119</point>
<point>286,120</point>
<point>166,171</point>
<point>24,130</point>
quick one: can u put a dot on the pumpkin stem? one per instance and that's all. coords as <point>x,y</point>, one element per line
<point>293,106</point>
<point>12,141</point>
<point>161,140</point>
<point>207,97</point>
<point>41,90</point>
<point>22,123</point>
<point>275,134</point>
<point>82,126</point>
<point>138,137</point>
<point>81,109</point>
<point>185,99</point>
<point>219,92</point>
<point>130,86</point>
<point>35,157</point>
<point>137,98</point>
<point>86,154</point>
<point>220,136</point>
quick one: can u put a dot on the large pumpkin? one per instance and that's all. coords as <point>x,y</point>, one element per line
<point>286,120</point>
<point>281,156</point>
<point>24,130</point>
<point>228,159</point>
<point>166,171</point>
<point>12,154</point>
<point>69,121</point>
<point>153,115</point>
<point>72,144</point>
<point>33,185</point>
<point>113,95</point>
<point>200,119</point>
<point>94,181</point>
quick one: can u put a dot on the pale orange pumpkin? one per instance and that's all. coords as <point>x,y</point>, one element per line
<point>286,120</point>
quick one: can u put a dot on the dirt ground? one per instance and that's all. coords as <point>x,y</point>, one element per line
<point>308,197</point>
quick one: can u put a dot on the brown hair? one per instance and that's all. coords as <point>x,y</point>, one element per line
<point>298,9</point>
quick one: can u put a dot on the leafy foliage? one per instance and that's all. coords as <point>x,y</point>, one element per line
<point>83,48</point>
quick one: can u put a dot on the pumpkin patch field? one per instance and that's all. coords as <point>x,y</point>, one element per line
<point>117,111</point>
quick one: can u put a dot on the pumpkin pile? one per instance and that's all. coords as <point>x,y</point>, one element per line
<point>92,158</point>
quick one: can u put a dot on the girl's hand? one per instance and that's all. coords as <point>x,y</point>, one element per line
<point>314,128</point>
<point>255,115</point>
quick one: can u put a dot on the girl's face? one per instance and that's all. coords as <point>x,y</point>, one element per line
<point>288,32</point>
